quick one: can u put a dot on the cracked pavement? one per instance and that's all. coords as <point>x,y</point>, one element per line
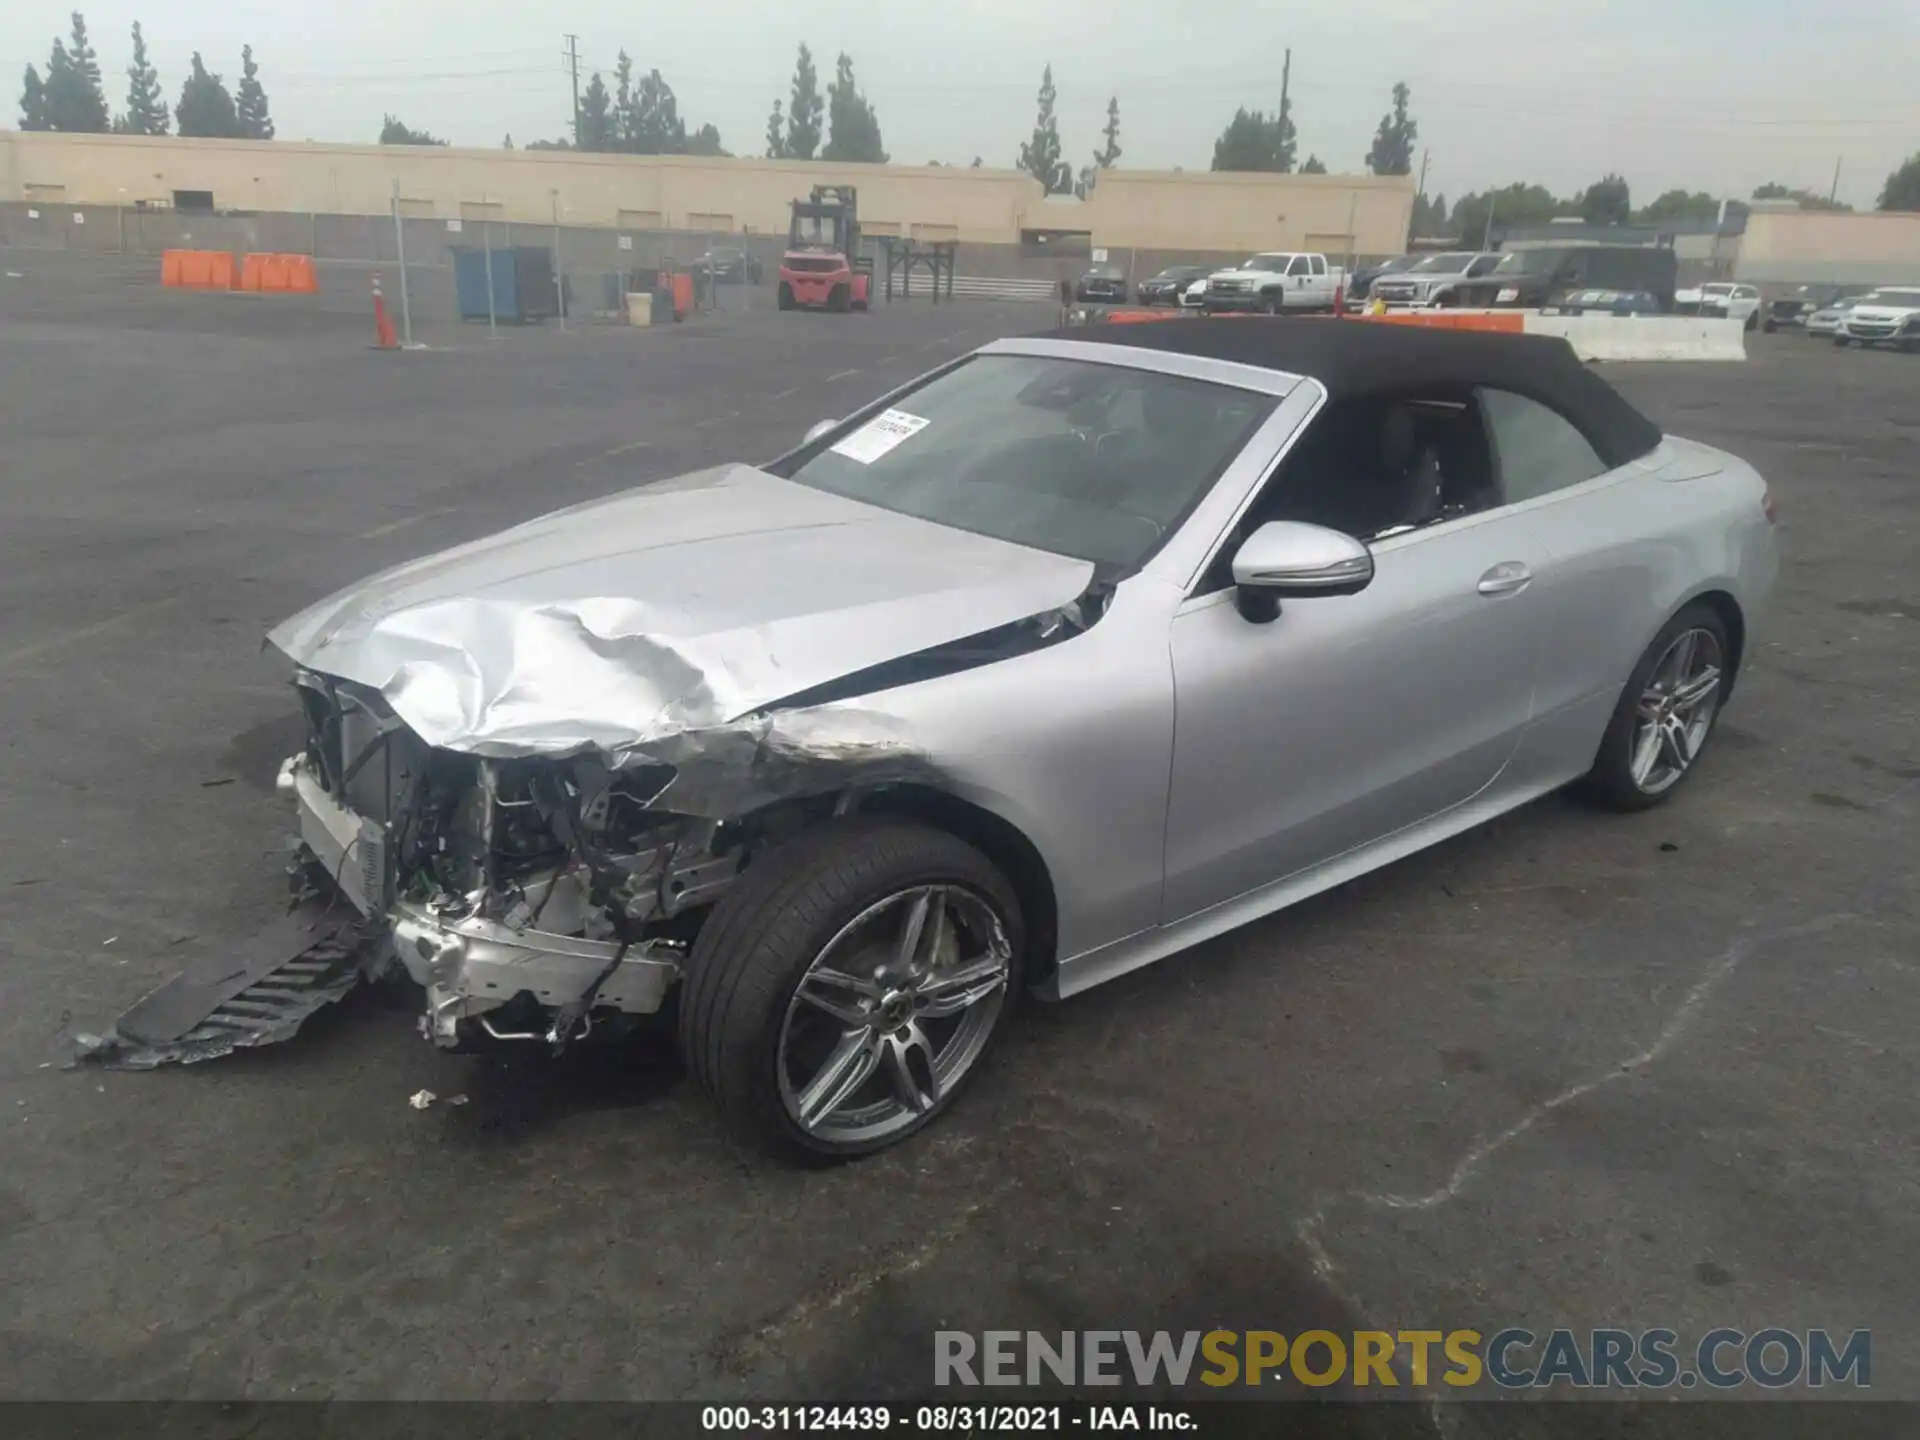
<point>1571,1069</point>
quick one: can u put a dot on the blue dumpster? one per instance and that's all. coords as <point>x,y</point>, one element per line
<point>522,283</point>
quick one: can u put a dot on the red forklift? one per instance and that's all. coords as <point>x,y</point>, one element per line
<point>823,268</point>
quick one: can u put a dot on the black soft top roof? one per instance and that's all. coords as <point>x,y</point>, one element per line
<point>1356,359</point>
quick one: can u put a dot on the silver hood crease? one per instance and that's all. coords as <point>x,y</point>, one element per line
<point>627,626</point>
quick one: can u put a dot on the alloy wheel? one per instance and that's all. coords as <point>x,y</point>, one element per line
<point>1675,711</point>
<point>893,1013</point>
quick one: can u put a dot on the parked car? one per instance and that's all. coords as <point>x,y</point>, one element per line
<point>1431,279</point>
<point>1609,302</point>
<point>727,263</point>
<point>1546,274</point>
<point>1825,322</point>
<point>1102,285</point>
<point>1361,282</point>
<point>852,759</point>
<point>1722,298</point>
<point>1271,283</point>
<point>1795,308</point>
<point>1165,287</point>
<point>1889,316</point>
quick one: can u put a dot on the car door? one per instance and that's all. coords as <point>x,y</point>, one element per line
<point>1299,283</point>
<point>1322,280</point>
<point>1347,718</point>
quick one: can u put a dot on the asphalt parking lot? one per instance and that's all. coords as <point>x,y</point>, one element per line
<point>1570,1070</point>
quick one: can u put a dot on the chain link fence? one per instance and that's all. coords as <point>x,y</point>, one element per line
<point>554,274</point>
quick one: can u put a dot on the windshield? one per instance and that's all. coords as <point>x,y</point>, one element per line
<point>1716,289</point>
<point>1524,262</point>
<point>1105,272</point>
<point>1100,462</point>
<point>1452,262</point>
<point>1182,272</point>
<point>1275,263</point>
<point>1398,264</point>
<point>1895,297</point>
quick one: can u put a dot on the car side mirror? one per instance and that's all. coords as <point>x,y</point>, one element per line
<point>1288,559</point>
<point>818,430</point>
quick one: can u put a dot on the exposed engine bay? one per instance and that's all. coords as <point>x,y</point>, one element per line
<point>553,882</point>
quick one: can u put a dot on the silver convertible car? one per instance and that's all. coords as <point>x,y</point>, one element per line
<point>1046,666</point>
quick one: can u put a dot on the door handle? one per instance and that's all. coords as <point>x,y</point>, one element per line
<point>1507,578</point>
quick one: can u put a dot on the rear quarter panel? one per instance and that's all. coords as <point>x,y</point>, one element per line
<point>1629,549</point>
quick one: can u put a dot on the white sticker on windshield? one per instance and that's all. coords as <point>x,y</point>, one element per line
<point>879,435</point>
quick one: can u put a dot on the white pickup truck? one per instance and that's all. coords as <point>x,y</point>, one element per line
<point>1275,281</point>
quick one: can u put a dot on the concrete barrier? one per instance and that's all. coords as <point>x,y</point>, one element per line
<point>1645,337</point>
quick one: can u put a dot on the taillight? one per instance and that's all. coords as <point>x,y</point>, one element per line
<point>1768,508</point>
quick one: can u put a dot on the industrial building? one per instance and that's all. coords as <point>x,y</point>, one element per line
<point>1150,213</point>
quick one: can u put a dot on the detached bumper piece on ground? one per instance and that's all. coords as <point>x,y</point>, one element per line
<point>259,994</point>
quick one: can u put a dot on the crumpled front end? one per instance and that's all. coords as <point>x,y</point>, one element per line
<point>526,894</point>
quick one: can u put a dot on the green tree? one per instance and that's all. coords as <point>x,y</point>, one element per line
<point>706,141</point>
<point>1606,202</point>
<point>74,100</point>
<point>1392,152</point>
<point>777,133</point>
<point>1518,204</point>
<point>804,114</point>
<point>561,144</point>
<point>146,104</point>
<point>1040,156</point>
<point>596,116</point>
<point>33,101</point>
<point>1109,152</point>
<point>976,163</point>
<point>205,107</point>
<point>392,132</point>
<point>658,128</point>
<point>1902,190</point>
<point>1314,166</point>
<point>626,106</point>
<point>1253,142</point>
<point>250,100</point>
<point>1678,204</point>
<point>1805,199</point>
<point>853,130</point>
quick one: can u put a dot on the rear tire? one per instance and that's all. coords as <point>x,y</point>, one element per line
<point>786,296</point>
<point>837,300</point>
<point>752,1027</point>
<point>1666,713</point>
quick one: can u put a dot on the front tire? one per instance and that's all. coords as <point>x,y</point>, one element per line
<point>1841,342</point>
<point>1666,713</point>
<point>786,296</point>
<point>849,984</point>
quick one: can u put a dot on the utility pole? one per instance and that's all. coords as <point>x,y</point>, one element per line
<point>1420,192</point>
<point>1286,72</point>
<point>1833,190</point>
<point>573,66</point>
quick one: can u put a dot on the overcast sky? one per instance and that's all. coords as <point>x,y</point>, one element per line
<point>1706,94</point>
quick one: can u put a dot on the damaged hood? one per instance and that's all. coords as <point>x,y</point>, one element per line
<point>679,606</point>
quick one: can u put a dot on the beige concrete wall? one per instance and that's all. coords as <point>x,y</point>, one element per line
<point>1164,210</point>
<point>1810,247</point>
<point>1161,210</point>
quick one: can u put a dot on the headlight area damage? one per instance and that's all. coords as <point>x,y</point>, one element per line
<point>531,894</point>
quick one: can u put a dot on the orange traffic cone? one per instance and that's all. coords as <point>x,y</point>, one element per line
<point>383,327</point>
